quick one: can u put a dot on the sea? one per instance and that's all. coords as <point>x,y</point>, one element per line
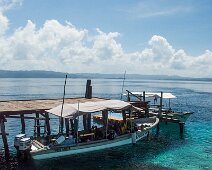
<point>166,151</point>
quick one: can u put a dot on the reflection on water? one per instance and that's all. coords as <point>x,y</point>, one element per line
<point>166,152</point>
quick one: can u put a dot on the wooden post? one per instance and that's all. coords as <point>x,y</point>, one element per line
<point>4,138</point>
<point>144,96</point>
<point>84,122</point>
<point>72,124</point>
<point>88,92</point>
<point>88,95</point>
<point>124,116</point>
<point>105,121</point>
<point>67,126</point>
<point>128,96</point>
<point>22,124</point>
<point>148,135</point>
<point>47,124</point>
<point>161,104</point>
<point>181,124</point>
<point>61,124</point>
<point>88,121</point>
<point>158,129</point>
<point>38,124</point>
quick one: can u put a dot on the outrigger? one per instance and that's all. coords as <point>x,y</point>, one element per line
<point>149,101</point>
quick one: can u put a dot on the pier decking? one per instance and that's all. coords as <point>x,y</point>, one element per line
<point>15,107</point>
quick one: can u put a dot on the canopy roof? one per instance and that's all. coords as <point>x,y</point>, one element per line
<point>77,109</point>
<point>153,94</point>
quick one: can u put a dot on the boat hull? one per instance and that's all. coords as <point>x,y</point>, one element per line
<point>78,149</point>
<point>61,151</point>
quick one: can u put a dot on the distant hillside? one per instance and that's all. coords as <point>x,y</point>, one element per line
<point>52,74</point>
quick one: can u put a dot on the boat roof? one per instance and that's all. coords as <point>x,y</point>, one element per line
<point>154,94</point>
<point>77,109</point>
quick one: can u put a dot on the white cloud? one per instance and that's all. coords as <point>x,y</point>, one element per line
<point>150,8</point>
<point>8,4</point>
<point>3,24</point>
<point>63,47</point>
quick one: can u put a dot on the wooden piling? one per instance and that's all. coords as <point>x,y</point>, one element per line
<point>105,121</point>
<point>84,117</point>
<point>88,121</point>
<point>38,124</point>
<point>88,91</point>
<point>4,138</point>
<point>61,124</point>
<point>72,124</point>
<point>47,124</point>
<point>128,96</point>
<point>181,125</point>
<point>67,126</point>
<point>161,104</point>
<point>88,95</point>
<point>144,99</point>
<point>158,129</point>
<point>22,123</point>
<point>148,135</point>
<point>124,116</point>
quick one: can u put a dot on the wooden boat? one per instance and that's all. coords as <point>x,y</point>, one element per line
<point>155,109</point>
<point>94,138</point>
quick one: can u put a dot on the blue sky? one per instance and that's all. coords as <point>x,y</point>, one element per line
<point>173,35</point>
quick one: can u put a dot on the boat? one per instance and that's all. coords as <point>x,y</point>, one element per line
<point>149,101</point>
<point>89,139</point>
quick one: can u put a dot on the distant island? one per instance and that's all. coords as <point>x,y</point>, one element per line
<point>53,74</point>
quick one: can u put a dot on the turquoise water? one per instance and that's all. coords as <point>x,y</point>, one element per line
<point>167,151</point>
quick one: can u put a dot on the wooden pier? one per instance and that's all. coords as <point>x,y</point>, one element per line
<point>36,110</point>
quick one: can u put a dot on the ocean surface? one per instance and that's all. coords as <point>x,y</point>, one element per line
<point>167,151</point>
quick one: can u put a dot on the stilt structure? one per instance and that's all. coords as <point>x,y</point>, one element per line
<point>21,109</point>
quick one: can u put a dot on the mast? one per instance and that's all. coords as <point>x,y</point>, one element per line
<point>61,118</point>
<point>123,84</point>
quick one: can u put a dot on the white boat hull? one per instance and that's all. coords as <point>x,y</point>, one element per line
<point>46,153</point>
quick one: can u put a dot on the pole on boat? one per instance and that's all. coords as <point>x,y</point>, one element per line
<point>123,84</point>
<point>61,116</point>
<point>77,137</point>
<point>4,138</point>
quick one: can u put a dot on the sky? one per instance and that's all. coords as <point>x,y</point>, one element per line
<point>159,37</point>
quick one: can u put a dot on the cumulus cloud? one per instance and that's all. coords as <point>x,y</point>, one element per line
<point>64,47</point>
